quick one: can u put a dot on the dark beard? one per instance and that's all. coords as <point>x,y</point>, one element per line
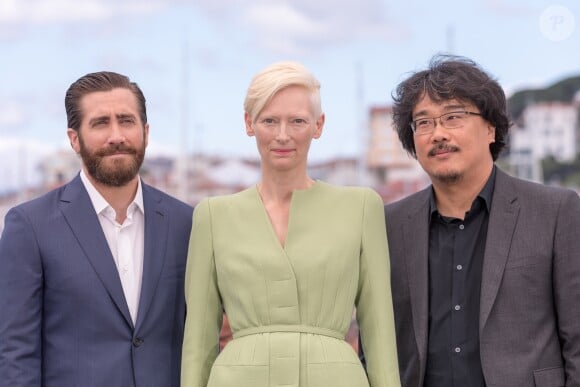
<point>449,177</point>
<point>117,175</point>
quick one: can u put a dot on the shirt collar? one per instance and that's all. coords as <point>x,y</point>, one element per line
<point>485,194</point>
<point>99,202</point>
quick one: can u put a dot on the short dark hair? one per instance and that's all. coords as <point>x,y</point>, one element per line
<point>451,77</point>
<point>99,81</point>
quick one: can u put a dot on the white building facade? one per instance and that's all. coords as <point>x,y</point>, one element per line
<point>546,129</point>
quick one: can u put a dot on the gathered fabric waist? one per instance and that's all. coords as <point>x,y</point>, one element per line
<point>293,328</point>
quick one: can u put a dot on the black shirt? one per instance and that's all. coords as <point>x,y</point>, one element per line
<point>456,249</point>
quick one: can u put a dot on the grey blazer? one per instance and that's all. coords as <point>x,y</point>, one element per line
<point>529,320</point>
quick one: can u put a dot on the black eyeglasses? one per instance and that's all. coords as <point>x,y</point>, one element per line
<point>451,120</point>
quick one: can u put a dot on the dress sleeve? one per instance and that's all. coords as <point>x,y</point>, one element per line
<point>374,301</point>
<point>204,308</point>
<point>21,278</point>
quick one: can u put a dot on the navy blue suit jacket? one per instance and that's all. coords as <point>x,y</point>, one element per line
<point>64,321</point>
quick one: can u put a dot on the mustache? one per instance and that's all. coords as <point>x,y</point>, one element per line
<point>442,148</point>
<point>115,149</point>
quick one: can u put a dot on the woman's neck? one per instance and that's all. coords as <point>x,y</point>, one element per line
<point>279,188</point>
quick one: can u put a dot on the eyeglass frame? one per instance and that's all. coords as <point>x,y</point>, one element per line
<point>435,119</point>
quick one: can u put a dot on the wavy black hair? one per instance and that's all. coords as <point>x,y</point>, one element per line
<point>451,77</point>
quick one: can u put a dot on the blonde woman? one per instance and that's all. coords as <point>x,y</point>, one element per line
<point>288,260</point>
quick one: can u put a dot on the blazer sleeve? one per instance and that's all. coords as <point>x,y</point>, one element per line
<point>21,278</point>
<point>374,302</point>
<point>204,308</point>
<point>566,277</point>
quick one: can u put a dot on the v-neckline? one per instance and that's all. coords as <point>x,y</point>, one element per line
<point>266,217</point>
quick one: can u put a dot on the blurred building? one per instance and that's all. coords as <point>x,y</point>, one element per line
<point>338,171</point>
<point>544,129</point>
<point>192,178</point>
<point>58,169</point>
<point>394,173</point>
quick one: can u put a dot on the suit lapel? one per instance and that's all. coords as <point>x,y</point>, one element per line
<point>80,214</point>
<point>156,229</point>
<point>416,242</point>
<point>502,222</point>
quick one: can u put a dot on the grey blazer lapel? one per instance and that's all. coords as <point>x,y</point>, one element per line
<point>416,242</point>
<point>156,230</point>
<point>80,214</point>
<point>502,222</point>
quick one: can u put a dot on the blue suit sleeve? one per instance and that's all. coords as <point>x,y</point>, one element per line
<point>21,294</point>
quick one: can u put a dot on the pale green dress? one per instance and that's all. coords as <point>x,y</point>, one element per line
<point>289,306</point>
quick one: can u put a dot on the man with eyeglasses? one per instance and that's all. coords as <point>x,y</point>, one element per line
<point>485,267</point>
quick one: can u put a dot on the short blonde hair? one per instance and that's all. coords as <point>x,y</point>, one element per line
<point>276,77</point>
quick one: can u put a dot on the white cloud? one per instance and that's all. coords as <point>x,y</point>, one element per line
<point>302,26</point>
<point>510,8</point>
<point>9,9</point>
<point>280,18</point>
<point>279,26</point>
<point>18,11</point>
<point>56,11</point>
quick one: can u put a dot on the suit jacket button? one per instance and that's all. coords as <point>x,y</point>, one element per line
<point>137,341</point>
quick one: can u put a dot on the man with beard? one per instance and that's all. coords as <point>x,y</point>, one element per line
<point>91,274</point>
<point>485,267</point>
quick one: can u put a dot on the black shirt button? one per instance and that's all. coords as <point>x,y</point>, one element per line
<point>137,341</point>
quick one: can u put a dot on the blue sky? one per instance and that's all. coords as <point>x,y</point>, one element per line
<point>194,61</point>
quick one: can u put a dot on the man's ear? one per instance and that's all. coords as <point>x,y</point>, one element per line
<point>73,137</point>
<point>146,134</point>
<point>491,133</point>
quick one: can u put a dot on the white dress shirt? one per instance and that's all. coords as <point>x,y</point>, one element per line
<point>126,241</point>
